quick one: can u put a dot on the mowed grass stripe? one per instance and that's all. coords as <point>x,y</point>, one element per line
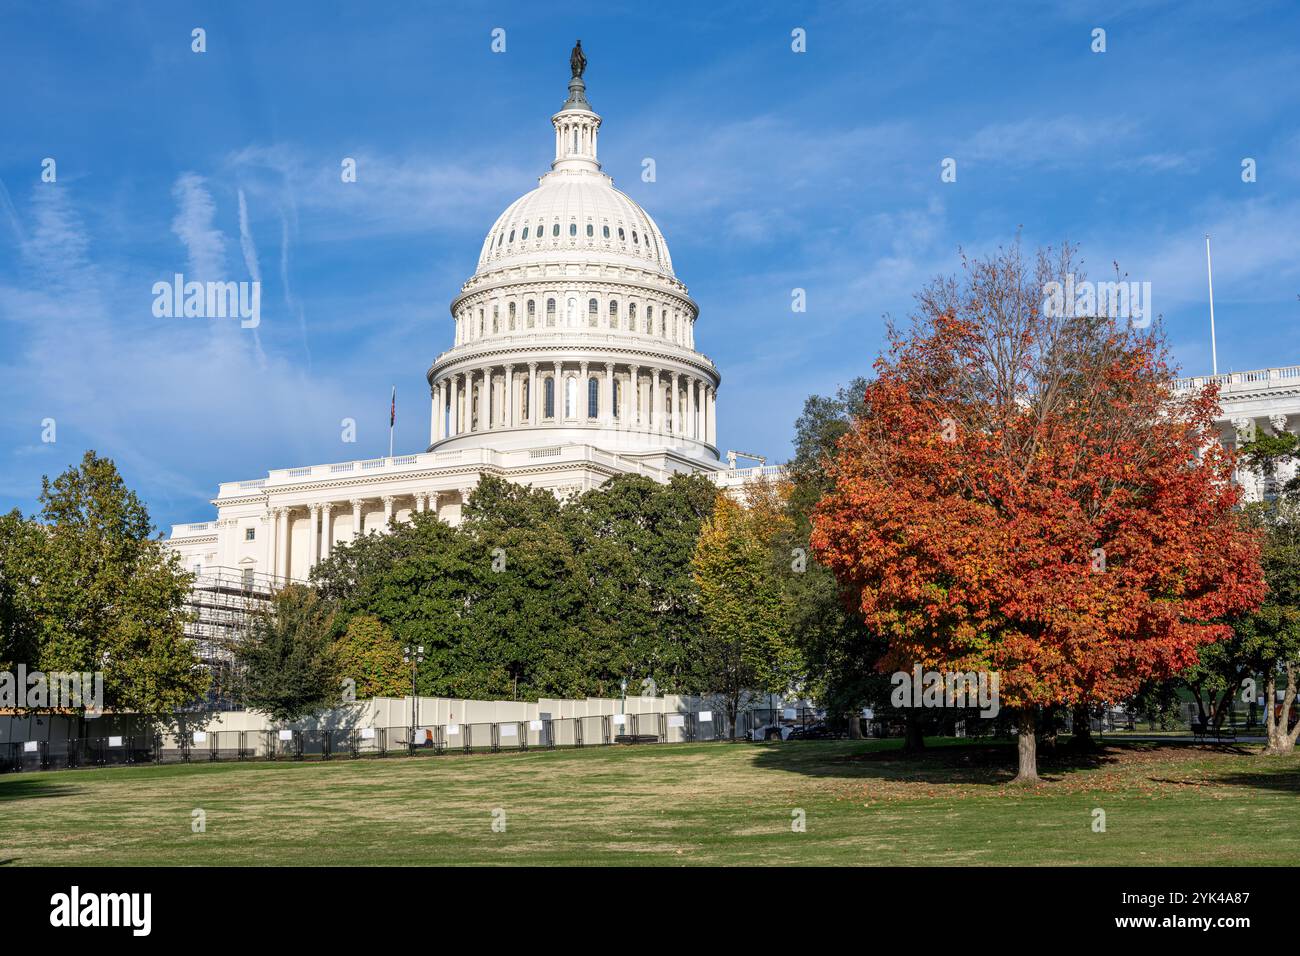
<point>671,805</point>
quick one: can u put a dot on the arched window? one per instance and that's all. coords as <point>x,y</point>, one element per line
<point>604,231</point>
<point>634,239</point>
<point>613,314</point>
<point>618,397</point>
<point>631,316</point>
<point>525,235</point>
<point>649,320</point>
<point>620,234</point>
<point>570,397</point>
<point>500,239</point>
<point>548,407</point>
<point>550,312</point>
<point>555,229</point>
<point>590,230</point>
<point>523,400</point>
<point>480,323</point>
<point>573,229</point>
<point>593,398</point>
<point>496,320</point>
<point>532,313</point>
<point>512,316</point>
<point>571,315</point>
<point>512,236</point>
<point>593,313</point>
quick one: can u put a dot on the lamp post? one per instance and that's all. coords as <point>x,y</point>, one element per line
<point>414,658</point>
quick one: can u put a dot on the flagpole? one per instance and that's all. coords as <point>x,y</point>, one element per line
<point>1209,272</point>
<point>392,419</point>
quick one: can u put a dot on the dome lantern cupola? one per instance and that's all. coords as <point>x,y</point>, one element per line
<point>577,124</point>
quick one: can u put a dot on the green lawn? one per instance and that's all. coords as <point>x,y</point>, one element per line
<point>671,804</point>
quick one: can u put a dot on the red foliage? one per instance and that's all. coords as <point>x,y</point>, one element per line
<point>967,513</point>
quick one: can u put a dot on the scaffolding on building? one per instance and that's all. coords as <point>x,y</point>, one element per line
<point>223,604</point>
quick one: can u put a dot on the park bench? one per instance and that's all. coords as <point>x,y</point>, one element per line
<point>1204,731</point>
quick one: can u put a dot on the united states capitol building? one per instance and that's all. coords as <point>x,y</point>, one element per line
<point>573,360</point>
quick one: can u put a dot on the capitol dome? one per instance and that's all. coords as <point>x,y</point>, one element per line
<point>574,329</point>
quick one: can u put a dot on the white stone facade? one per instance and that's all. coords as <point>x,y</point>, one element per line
<point>573,360</point>
<point>1262,401</point>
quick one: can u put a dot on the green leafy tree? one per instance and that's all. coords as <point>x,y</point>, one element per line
<point>633,541</point>
<point>746,615</point>
<point>286,667</point>
<point>1268,640</point>
<point>86,588</point>
<point>369,655</point>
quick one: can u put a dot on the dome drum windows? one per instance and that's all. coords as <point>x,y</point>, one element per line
<point>555,231</point>
<point>593,398</point>
<point>532,313</point>
<point>512,316</point>
<point>590,230</point>
<point>613,313</point>
<point>593,313</point>
<point>525,235</point>
<point>573,229</point>
<point>550,312</point>
<point>604,231</point>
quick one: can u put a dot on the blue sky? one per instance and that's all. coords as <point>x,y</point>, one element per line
<point>776,170</point>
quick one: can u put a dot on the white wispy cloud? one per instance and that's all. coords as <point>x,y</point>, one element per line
<point>195,226</point>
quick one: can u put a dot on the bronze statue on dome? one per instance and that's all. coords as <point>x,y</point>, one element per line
<point>577,61</point>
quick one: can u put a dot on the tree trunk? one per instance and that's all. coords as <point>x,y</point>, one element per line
<point>1280,741</point>
<point>855,727</point>
<point>913,731</point>
<point>1027,747</point>
<point>1081,725</point>
<point>1270,719</point>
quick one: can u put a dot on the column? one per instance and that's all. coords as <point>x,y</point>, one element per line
<point>692,410</point>
<point>483,403</point>
<point>657,398</point>
<point>608,412</point>
<point>388,510</point>
<point>432,498</point>
<point>356,518</point>
<point>634,396</point>
<point>453,419</point>
<point>420,498</point>
<point>433,412</point>
<point>313,542</point>
<point>556,391</point>
<point>580,413</point>
<point>326,531</point>
<point>510,397</point>
<point>675,426</point>
<point>533,397</point>
<point>709,399</point>
<point>267,564</point>
<point>282,543</point>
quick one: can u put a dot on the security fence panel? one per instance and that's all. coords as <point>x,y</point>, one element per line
<point>511,735</point>
<point>313,742</point>
<point>538,734</point>
<point>456,738</point>
<point>172,748</point>
<point>426,740</point>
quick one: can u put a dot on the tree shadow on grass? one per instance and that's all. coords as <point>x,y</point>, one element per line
<point>980,764</point>
<point>1284,779</point>
<point>19,787</point>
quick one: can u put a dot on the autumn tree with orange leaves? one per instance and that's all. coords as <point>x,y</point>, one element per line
<point>1027,493</point>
